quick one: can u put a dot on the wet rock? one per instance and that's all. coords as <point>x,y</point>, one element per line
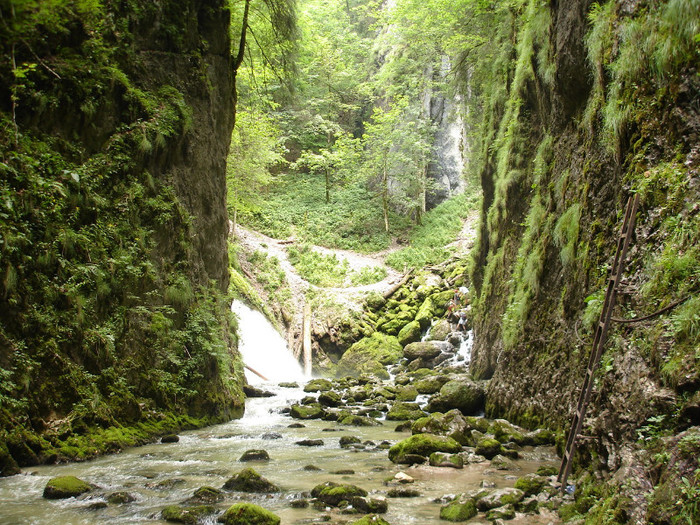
<point>251,391</point>
<point>166,484</point>
<point>8,464</point>
<point>367,505</point>
<point>310,443</point>
<point>359,421</point>
<point>120,498</point>
<point>248,514</point>
<point>292,384</point>
<point>255,455</point>
<point>404,427</point>
<point>462,394</point>
<point>271,435</point>
<point>539,437</point>
<point>458,510</point>
<point>370,519</point>
<point>300,503</point>
<point>207,495</point>
<point>431,384</point>
<point>348,441</point>
<point>440,331</point>
<point>499,498</point>
<point>407,393</point>
<point>248,480</point>
<point>403,493</point>
<point>307,411</point>
<point>170,438</point>
<point>424,351</point>
<point>312,468</point>
<point>410,333</point>
<point>184,514</point>
<point>506,432</point>
<point>404,412</point>
<point>452,424</point>
<point>545,471</point>
<point>507,512</point>
<point>488,447</point>
<point>330,399</point>
<point>308,400</point>
<point>531,484</point>
<point>500,462</point>
<point>487,484</point>
<point>62,487</point>
<point>343,472</point>
<point>422,445</point>
<point>318,385</point>
<point>98,505</point>
<point>528,505</point>
<point>332,493</point>
<point>296,425</point>
<point>403,478</point>
<point>438,459</point>
<point>433,307</point>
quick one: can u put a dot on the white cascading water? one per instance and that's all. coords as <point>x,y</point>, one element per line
<point>263,348</point>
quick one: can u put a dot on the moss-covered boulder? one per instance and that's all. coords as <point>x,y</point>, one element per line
<point>425,351</point>
<point>457,511</point>
<point>507,512</point>
<point>248,514</point>
<point>488,447</point>
<point>332,493</point>
<point>462,394</point>
<point>500,498</point>
<point>423,445</point>
<point>255,455</point>
<point>406,393</point>
<point>433,307</point>
<point>452,424</point>
<point>439,459</point>
<point>367,505</point>
<point>63,487</point>
<point>369,356</point>
<point>313,411</point>
<point>505,432</point>
<point>353,420</point>
<point>248,480</point>
<point>184,514</point>
<point>531,484</point>
<point>410,333</point>
<point>120,498</point>
<point>318,385</point>
<point>430,384</point>
<point>404,412</point>
<point>440,331</point>
<point>370,519</point>
<point>539,437</point>
<point>330,399</point>
<point>207,494</point>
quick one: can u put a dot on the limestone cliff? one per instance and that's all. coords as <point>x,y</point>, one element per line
<point>116,120</point>
<point>601,102</point>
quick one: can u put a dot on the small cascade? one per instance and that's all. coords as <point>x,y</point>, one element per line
<point>263,348</point>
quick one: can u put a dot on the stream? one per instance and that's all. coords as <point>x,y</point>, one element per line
<point>158,475</point>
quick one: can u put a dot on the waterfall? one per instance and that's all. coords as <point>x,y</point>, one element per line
<point>263,348</point>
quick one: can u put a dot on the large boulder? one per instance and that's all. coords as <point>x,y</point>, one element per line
<point>248,514</point>
<point>440,331</point>
<point>458,510</point>
<point>370,519</point>
<point>63,487</point>
<point>314,411</point>
<point>369,356</point>
<point>404,412</point>
<point>430,384</point>
<point>463,394</point>
<point>425,351</point>
<point>410,333</point>
<point>248,480</point>
<point>190,515</point>
<point>422,445</point>
<point>499,498</point>
<point>332,493</point>
<point>318,385</point>
<point>452,424</point>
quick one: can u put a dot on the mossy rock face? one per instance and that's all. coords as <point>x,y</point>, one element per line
<point>458,511</point>
<point>332,493</point>
<point>188,515</point>
<point>370,519</point>
<point>423,445</point>
<point>433,307</point>
<point>499,498</point>
<point>207,495</point>
<point>8,465</point>
<point>488,447</point>
<point>440,331</point>
<point>407,393</point>
<point>462,394</point>
<point>504,432</point>
<point>410,333</point>
<point>330,399</point>
<point>63,487</point>
<point>370,356</point>
<point>314,411</point>
<point>425,351</point>
<point>248,480</point>
<point>248,514</point>
<point>431,384</point>
<point>318,385</point>
<point>431,424</point>
<point>531,484</point>
<point>120,498</point>
<point>438,459</point>
<point>404,412</point>
<point>477,423</point>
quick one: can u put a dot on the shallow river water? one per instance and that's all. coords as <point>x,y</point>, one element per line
<point>158,475</point>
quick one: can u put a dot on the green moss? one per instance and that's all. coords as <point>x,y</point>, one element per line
<point>457,511</point>
<point>334,493</point>
<point>248,514</point>
<point>423,445</point>
<point>248,480</point>
<point>369,356</point>
<point>65,487</point>
<point>189,515</point>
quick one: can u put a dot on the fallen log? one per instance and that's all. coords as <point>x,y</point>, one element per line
<point>398,285</point>
<point>256,373</point>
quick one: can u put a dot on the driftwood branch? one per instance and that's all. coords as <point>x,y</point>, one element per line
<point>398,285</point>
<point>257,373</point>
